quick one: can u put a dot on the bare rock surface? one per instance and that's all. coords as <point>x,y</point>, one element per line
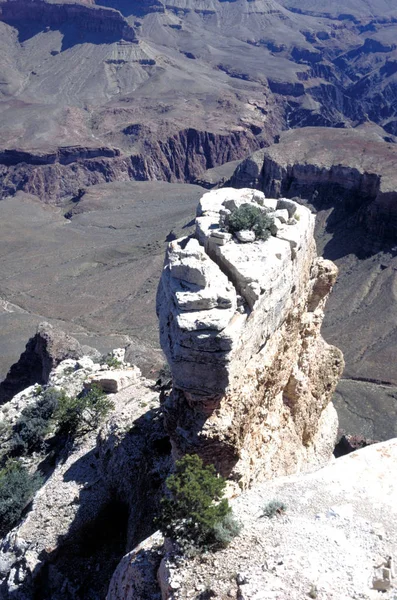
<point>240,326</point>
<point>336,539</point>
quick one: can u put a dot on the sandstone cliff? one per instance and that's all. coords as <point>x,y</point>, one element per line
<point>240,326</point>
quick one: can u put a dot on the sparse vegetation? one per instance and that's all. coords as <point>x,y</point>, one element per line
<point>34,423</point>
<point>226,530</point>
<point>273,508</point>
<point>252,218</point>
<point>17,488</point>
<point>193,513</point>
<point>84,412</point>
<point>112,362</point>
<point>53,411</point>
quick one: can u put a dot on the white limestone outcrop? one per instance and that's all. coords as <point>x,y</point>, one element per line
<point>240,326</point>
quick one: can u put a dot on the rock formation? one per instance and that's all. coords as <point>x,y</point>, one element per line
<point>99,494</point>
<point>44,351</point>
<point>240,326</point>
<point>348,177</point>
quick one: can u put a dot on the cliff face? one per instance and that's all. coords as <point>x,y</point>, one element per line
<point>240,326</point>
<point>351,169</point>
<point>54,176</point>
<point>85,16</point>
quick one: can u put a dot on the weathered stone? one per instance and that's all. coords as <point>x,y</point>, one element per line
<point>245,236</point>
<point>253,378</point>
<point>282,214</point>
<point>286,204</point>
<point>113,381</point>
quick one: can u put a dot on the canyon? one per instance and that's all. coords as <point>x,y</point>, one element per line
<point>115,118</point>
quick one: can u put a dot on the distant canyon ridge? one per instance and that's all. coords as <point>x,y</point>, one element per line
<point>143,90</point>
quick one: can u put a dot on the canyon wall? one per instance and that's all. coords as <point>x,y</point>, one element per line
<point>352,170</point>
<point>60,174</point>
<point>52,14</point>
<point>240,326</point>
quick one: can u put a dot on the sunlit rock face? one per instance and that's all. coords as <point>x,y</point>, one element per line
<point>240,325</point>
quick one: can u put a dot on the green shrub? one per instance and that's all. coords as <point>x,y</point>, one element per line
<point>112,361</point>
<point>226,530</point>
<point>273,508</point>
<point>34,423</point>
<point>83,413</point>
<point>193,513</point>
<point>68,371</point>
<point>252,218</point>
<point>17,489</point>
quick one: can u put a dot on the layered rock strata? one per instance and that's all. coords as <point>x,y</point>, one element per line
<point>53,14</point>
<point>240,326</point>
<point>61,173</point>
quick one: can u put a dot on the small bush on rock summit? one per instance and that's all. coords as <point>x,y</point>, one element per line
<point>252,218</point>
<point>193,513</point>
<point>112,362</point>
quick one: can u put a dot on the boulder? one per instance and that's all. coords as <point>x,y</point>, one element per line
<point>113,381</point>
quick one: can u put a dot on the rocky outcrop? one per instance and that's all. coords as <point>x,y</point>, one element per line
<point>44,351</point>
<point>321,164</point>
<point>240,326</point>
<point>98,499</point>
<point>52,14</point>
<point>62,173</point>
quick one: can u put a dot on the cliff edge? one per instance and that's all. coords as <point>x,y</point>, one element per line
<point>240,325</point>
